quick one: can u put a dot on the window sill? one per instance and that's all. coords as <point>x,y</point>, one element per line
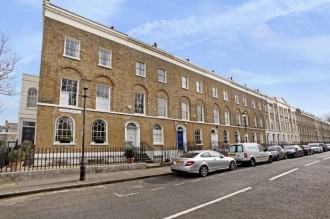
<point>71,57</point>
<point>164,82</point>
<point>159,144</point>
<point>105,66</point>
<point>59,144</point>
<point>100,144</point>
<point>142,76</point>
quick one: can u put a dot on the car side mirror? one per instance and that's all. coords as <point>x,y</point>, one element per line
<point>266,149</point>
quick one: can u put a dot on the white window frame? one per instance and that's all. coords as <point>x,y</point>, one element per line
<point>215,92</point>
<point>259,106</point>
<point>137,103</point>
<point>185,82</point>
<point>105,55</point>
<point>227,118</point>
<point>185,111</point>
<point>244,101</point>
<point>238,119</point>
<point>161,108</point>
<point>70,121</point>
<point>76,51</point>
<point>100,99</point>
<point>160,76</point>
<point>253,104</point>
<point>140,69</point>
<point>199,87</point>
<point>236,98</point>
<point>216,117</point>
<point>200,113</point>
<point>32,98</point>
<point>64,94</point>
<point>198,136</point>
<point>225,95</point>
<point>157,134</point>
<point>96,133</point>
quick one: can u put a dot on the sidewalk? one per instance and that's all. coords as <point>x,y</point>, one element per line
<point>11,188</point>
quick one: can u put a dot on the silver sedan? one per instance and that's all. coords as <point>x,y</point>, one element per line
<point>202,162</point>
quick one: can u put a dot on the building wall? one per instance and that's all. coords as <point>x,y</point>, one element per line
<point>124,83</point>
<point>27,114</point>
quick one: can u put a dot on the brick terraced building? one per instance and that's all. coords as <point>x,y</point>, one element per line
<point>139,93</point>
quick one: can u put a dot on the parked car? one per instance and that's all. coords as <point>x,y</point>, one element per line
<point>277,152</point>
<point>202,162</point>
<point>250,153</point>
<point>316,147</point>
<point>293,151</point>
<point>307,150</point>
<point>325,148</point>
<point>328,146</point>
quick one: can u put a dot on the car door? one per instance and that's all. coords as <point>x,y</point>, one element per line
<point>208,159</point>
<point>219,162</point>
<point>263,156</point>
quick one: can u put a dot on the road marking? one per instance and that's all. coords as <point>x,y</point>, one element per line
<point>283,174</point>
<point>121,195</point>
<point>157,189</point>
<point>136,187</point>
<point>179,184</point>
<point>312,163</point>
<point>206,204</point>
<point>326,158</point>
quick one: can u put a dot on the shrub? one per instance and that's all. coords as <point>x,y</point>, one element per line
<point>16,156</point>
<point>129,152</point>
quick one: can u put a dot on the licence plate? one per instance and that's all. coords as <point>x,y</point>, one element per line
<point>232,155</point>
<point>179,163</point>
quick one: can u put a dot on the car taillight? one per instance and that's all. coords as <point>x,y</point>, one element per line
<point>245,155</point>
<point>189,163</point>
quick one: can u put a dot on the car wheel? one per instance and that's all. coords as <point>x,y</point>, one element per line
<point>203,171</point>
<point>252,162</point>
<point>270,159</point>
<point>295,155</point>
<point>278,157</point>
<point>232,166</point>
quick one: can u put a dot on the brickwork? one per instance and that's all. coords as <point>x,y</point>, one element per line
<point>124,83</point>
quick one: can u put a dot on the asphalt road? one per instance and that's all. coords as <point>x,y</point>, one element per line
<point>292,188</point>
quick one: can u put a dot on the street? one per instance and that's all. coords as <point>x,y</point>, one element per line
<point>292,188</point>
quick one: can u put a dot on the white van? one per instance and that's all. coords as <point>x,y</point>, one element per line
<point>250,153</point>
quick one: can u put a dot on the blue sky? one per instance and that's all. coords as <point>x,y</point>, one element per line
<point>281,47</point>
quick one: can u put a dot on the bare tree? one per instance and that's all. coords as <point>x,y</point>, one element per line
<point>327,117</point>
<point>8,62</point>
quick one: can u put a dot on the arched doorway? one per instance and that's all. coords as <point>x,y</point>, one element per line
<point>181,138</point>
<point>132,135</point>
<point>214,139</point>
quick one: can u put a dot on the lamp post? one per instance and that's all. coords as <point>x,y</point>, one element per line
<point>317,138</point>
<point>244,118</point>
<point>85,85</point>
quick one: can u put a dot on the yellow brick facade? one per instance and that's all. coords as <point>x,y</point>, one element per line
<point>124,83</point>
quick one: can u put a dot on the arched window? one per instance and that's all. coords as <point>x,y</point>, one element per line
<point>64,130</point>
<point>261,138</point>
<point>158,134</point>
<point>237,137</point>
<point>225,137</point>
<point>254,137</point>
<point>198,136</point>
<point>32,95</point>
<point>99,131</point>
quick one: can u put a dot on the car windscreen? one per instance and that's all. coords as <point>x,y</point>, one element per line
<point>235,148</point>
<point>271,149</point>
<point>289,148</point>
<point>189,155</point>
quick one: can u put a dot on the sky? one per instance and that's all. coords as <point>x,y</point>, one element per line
<point>281,47</point>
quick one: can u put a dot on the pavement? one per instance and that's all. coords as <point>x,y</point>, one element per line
<point>29,185</point>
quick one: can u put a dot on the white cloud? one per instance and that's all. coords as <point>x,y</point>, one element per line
<point>228,24</point>
<point>100,10</point>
